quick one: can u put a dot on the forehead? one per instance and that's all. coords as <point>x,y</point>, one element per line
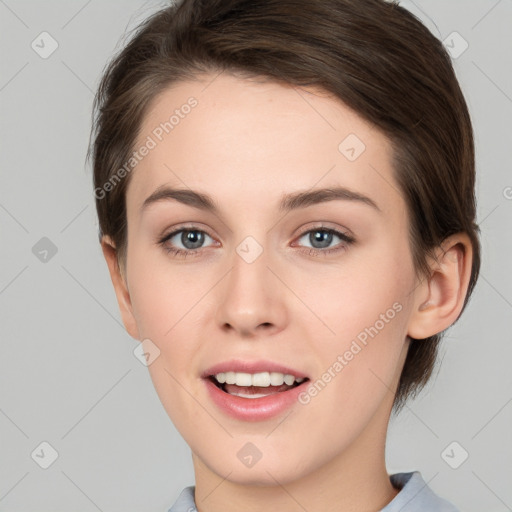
<point>222,134</point>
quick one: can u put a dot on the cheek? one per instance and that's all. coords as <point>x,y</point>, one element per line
<point>364,313</point>
<point>165,304</point>
<point>362,291</point>
<point>163,296</point>
<point>168,303</point>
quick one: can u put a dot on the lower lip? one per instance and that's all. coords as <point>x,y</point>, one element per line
<point>254,409</point>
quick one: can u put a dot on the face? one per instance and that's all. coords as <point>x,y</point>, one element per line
<point>273,271</point>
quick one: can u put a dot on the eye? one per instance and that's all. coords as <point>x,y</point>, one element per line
<point>321,239</point>
<point>184,241</point>
<point>190,241</point>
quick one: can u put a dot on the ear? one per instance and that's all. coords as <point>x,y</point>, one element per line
<point>120,287</point>
<point>440,298</point>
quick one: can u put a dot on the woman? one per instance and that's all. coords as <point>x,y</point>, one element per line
<point>285,193</point>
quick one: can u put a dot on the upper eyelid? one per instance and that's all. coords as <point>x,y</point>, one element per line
<point>323,227</point>
<point>179,229</point>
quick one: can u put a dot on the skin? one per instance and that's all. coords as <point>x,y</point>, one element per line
<point>246,144</point>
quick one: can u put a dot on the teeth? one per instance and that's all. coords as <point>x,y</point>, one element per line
<point>262,379</point>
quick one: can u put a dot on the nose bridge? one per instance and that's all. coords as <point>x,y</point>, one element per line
<point>251,296</point>
<point>249,263</point>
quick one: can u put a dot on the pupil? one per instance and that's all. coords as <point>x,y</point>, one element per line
<point>192,239</point>
<point>323,237</point>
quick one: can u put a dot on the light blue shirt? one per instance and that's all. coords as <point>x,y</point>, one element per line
<point>414,496</point>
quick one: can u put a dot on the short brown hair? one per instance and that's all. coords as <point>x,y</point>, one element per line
<point>373,55</point>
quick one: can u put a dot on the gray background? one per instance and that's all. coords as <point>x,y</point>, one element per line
<point>68,375</point>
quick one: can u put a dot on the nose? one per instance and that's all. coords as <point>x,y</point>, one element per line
<point>252,299</point>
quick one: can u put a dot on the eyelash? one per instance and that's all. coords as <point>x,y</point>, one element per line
<point>183,253</point>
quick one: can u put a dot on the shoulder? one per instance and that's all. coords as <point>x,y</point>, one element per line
<point>415,495</point>
<point>185,501</point>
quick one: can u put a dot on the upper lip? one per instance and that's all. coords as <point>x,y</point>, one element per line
<point>239,365</point>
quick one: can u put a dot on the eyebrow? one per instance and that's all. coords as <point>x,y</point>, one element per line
<point>289,202</point>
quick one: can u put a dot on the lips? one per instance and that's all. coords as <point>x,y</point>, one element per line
<point>254,407</point>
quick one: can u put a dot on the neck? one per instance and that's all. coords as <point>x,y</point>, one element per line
<point>353,480</point>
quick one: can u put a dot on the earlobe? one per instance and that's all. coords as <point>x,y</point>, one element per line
<point>440,298</point>
<point>120,287</point>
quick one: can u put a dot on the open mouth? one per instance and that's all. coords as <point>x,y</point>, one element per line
<point>253,391</point>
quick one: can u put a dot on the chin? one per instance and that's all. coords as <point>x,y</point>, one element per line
<point>278,468</point>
